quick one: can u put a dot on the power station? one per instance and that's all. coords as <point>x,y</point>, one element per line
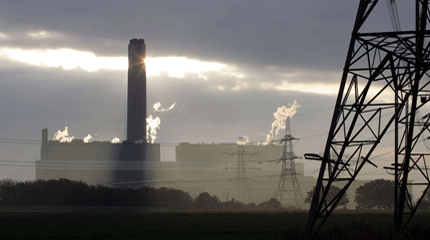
<point>249,174</point>
<point>106,162</point>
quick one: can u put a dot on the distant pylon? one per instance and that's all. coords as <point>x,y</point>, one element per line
<point>288,188</point>
<point>241,182</point>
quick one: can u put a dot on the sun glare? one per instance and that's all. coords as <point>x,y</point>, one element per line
<point>67,59</point>
<point>70,59</point>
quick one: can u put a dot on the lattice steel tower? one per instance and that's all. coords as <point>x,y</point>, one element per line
<point>385,75</point>
<point>241,181</point>
<point>241,184</point>
<point>288,187</point>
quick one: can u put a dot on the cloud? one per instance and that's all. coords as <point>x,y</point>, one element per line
<point>4,35</point>
<point>68,59</point>
<point>39,34</point>
<point>71,59</point>
<point>239,86</point>
<point>179,66</point>
<point>314,87</point>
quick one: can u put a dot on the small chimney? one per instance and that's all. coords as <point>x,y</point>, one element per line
<point>44,135</point>
<point>45,146</point>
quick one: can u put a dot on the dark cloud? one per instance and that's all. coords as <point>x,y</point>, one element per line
<point>290,33</point>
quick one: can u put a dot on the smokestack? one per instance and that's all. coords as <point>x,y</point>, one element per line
<point>44,146</point>
<point>136,98</point>
<point>44,135</point>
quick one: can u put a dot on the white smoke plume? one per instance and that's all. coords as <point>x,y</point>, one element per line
<point>157,107</point>
<point>243,141</point>
<point>63,136</point>
<point>115,140</point>
<point>152,124</point>
<point>279,118</point>
<point>88,138</point>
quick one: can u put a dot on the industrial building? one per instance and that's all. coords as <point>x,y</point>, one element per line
<point>213,168</point>
<point>94,162</point>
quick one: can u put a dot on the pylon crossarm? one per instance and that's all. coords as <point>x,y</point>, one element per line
<point>392,34</point>
<point>401,54</point>
<point>314,156</point>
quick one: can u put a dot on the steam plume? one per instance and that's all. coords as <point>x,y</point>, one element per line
<point>157,107</point>
<point>88,138</point>
<point>243,141</point>
<point>63,136</point>
<point>152,124</point>
<point>279,118</point>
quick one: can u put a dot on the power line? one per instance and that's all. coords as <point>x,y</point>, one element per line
<point>33,141</point>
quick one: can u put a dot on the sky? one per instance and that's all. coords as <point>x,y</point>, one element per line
<point>226,65</point>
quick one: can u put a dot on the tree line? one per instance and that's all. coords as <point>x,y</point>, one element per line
<point>375,195</point>
<point>64,192</point>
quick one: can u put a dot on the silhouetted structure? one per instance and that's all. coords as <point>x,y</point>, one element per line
<point>288,188</point>
<point>385,75</point>
<point>95,162</point>
<point>136,95</point>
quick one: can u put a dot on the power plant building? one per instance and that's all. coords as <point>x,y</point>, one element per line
<point>94,162</point>
<point>213,168</point>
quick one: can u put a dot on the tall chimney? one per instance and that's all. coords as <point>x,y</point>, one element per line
<point>136,98</point>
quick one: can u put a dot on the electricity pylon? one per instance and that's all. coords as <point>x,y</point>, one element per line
<point>288,186</point>
<point>385,75</point>
<point>240,182</point>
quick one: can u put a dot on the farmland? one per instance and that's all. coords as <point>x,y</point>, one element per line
<point>140,223</point>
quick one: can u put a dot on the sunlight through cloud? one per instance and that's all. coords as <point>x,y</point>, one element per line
<point>331,89</point>
<point>39,34</point>
<point>3,35</point>
<point>179,66</point>
<point>70,59</point>
<point>313,87</point>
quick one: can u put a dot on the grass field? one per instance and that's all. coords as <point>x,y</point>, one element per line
<point>200,225</point>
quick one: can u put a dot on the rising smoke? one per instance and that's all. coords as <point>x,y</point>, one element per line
<point>157,107</point>
<point>63,136</point>
<point>243,141</point>
<point>88,138</point>
<point>152,124</point>
<point>279,118</point>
